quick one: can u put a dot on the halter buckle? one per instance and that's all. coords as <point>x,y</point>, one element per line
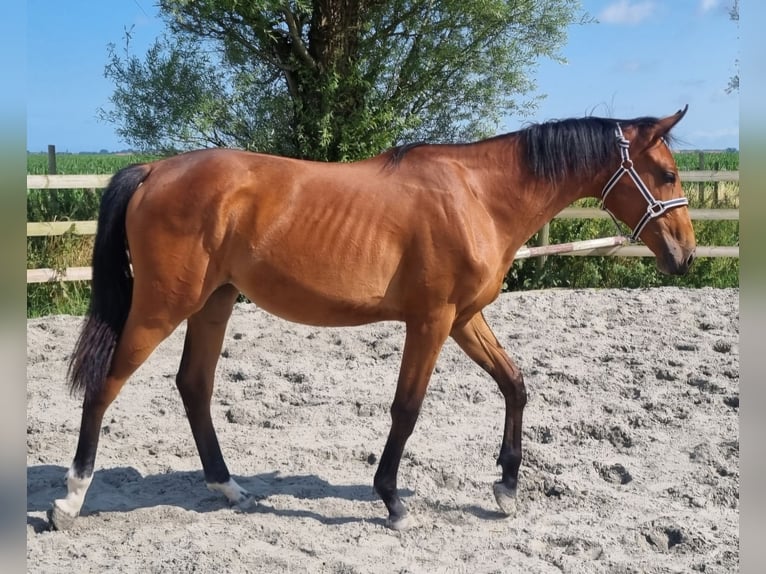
<point>656,209</point>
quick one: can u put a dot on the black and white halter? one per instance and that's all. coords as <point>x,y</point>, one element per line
<point>655,208</point>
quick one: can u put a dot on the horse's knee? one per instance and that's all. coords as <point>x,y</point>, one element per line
<point>514,389</point>
<point>519,391</point>
<point>195,389</point>
<point>404,414</point>
<point>404,410</point>
<point>186,382</point>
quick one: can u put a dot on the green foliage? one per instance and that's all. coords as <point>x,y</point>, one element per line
<point>68,250</point>
<point>624,272</point>
<point>727,160</point>
<point>334,80</point>
<point>84,163</point>
<point>58,252</point>
<point>632,272</point>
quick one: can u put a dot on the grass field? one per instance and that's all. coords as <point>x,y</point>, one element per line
<point>723,194</point>
<point>63,251</point>
<point>719,160</point>
<point>67,164</point>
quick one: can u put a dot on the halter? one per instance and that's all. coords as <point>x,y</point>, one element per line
<point>655,208</point>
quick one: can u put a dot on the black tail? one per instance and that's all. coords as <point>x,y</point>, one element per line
<point>111,287</point>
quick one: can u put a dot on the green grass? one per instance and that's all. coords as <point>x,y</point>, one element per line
<point>582,272</point>
<point>68,164</point>
<point>67,250</point>
<point>719,195</point>
<point>718,160</point>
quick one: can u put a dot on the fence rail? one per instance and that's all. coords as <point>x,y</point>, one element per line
<point>609,246</point>
<point>87,181</point>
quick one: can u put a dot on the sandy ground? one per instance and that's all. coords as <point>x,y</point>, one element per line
<point>631,437</point>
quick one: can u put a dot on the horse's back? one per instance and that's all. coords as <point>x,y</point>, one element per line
<point>320,243</point>
<point>308,241</point>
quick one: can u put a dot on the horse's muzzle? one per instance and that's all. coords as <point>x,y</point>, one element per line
<point>677,263</point>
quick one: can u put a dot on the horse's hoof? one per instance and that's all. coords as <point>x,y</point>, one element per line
<point>59,519</point>
<point>505,497</point>
<point>400,522</point>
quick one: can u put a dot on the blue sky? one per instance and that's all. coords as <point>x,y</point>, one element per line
<point>643,57</point>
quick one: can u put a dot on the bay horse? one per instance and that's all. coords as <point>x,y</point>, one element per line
<point>422,234</point>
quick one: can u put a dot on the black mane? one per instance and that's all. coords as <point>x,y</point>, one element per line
<point>575,146</point>
<point>560,148</point>
<point>398,153</point>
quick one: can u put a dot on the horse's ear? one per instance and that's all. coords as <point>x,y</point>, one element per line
<point>666,124</point>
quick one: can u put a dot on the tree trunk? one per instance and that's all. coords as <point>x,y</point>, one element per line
<point>328,93</point>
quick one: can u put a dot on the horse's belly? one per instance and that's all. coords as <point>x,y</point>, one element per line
<point>317,300</point>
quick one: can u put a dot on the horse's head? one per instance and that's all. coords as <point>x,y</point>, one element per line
<point>645,193</point>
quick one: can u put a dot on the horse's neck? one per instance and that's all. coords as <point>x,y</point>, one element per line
<point>512,189</point>
<point>521,203</point>
<point>531,202</point>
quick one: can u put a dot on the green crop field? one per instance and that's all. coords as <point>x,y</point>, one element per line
<point>67,164</point>
<point>717,160</point>
<point>723,194</point>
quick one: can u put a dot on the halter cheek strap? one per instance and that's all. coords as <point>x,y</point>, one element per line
<point>654,208</point>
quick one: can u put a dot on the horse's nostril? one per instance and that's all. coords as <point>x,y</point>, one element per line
<point>690,259</point>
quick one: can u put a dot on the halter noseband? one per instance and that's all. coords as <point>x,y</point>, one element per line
<point>655,208</point>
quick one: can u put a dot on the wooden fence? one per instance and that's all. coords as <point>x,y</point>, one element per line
<point>609,246</point>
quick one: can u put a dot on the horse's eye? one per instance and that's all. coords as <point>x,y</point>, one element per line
<point>669,177</point>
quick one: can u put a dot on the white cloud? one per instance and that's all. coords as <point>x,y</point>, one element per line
<point>627,12</point>
<point>629,66</point>
<point>719,7</point>
<point>708,5</point>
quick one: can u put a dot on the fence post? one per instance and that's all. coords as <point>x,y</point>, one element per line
<point>701,184</point>
<point>543,238</point>
<point>51,159</point>
<point>716,167</point>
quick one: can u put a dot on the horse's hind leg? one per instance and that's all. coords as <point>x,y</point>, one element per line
<point>204,338</point>
<point>479,342</point>
<point>137,341</point>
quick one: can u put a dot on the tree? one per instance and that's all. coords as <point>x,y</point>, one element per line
<point>734,80</point>
<point>332,79</point>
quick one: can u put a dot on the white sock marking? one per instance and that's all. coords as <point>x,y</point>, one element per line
<point>234,492</point>
<point>76,489</point>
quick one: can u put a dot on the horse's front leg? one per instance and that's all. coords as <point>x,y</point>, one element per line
<point>422,345</point>
<point>480,344</point>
